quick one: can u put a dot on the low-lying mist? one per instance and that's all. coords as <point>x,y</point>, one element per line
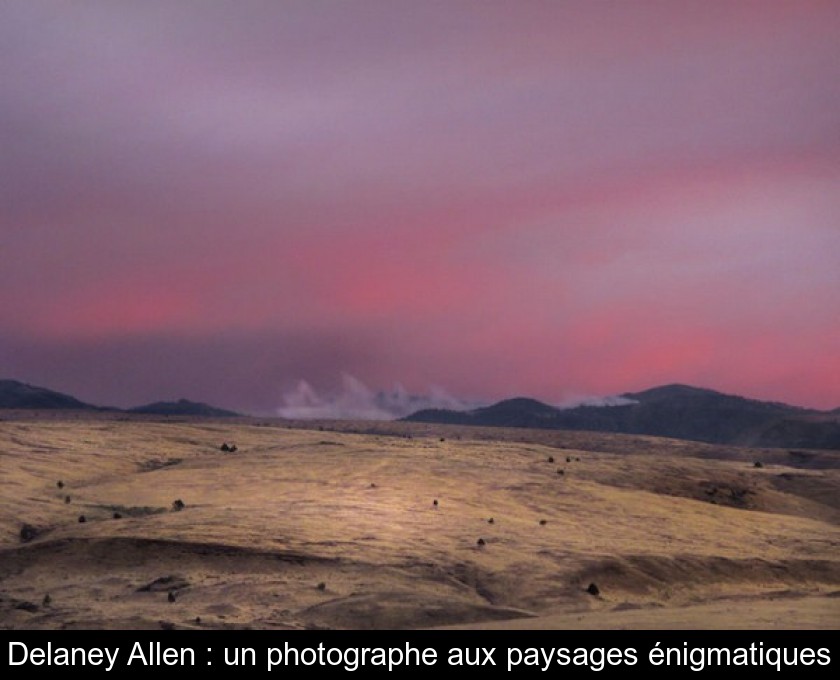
<point>354,400</point>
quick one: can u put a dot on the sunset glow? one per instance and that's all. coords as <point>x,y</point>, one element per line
<point>220,200</point>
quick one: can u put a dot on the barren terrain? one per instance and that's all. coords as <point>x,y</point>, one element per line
<point>337,527</point>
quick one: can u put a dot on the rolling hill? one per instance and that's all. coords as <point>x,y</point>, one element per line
<point>677,411</point>
<point>184,407</point>
<point>315,529</point>
<point>18,395</point>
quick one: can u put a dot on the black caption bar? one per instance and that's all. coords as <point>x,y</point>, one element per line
<point>388,652</point>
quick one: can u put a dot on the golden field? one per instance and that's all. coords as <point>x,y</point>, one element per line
<point>304,527</point>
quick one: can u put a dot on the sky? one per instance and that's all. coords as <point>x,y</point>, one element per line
<point>276,206</point>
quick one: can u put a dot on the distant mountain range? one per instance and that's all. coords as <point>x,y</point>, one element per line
<point>677,411</point>
<point>18,395</point>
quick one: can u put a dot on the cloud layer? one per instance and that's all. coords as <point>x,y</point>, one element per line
<point>220,200</point>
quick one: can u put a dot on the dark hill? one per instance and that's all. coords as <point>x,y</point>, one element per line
<point>184,407</point>
<point>18,395</point>
<point>696,396</point>
<point>517,412</point>
<point>678,411</point>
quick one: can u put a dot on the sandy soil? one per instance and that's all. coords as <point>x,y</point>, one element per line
<point>303,528</point>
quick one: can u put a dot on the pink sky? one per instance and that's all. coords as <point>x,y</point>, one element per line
<point>220,200</point>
